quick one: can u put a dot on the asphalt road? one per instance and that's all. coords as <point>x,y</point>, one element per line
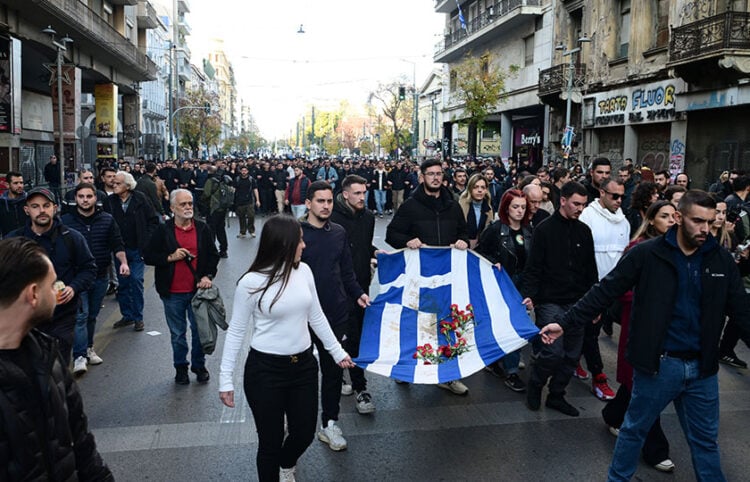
<point>148,428</point>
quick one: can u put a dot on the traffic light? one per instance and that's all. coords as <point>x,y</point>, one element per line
<point>208,108</point>
<point>402,93</point>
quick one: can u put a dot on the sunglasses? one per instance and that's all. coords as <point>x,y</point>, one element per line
<point>614,195</point>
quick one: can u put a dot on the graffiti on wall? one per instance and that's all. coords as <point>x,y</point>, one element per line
<point>643,104</point>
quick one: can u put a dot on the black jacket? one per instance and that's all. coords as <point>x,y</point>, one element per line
<point>244,193</point>
<point>561,266</point>
<point>147,186</point>
<point>141,218</point>
<point>102,236</point>
<point>496,245</point>
<point>44,438</point>
<point>435,221</point>
<point>360,227</point>
<point>12,214</point>
<point>328,255</point>
<point>650,269</point>
<point>163,243</point>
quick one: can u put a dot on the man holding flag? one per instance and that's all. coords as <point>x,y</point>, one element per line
<point>430,217</point>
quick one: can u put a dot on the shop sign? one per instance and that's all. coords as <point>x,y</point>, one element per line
<point>640,104</point>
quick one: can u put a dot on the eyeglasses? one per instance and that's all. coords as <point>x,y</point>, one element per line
<point>613,195</point>
<point>433,174</point>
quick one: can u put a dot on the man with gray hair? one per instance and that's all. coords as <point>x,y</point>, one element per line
<point>534,197</point>
<point>184,254</point>
<point>137,220</point>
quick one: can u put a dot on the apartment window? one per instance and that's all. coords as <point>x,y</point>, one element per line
<point>539,23</point>
<point>485,66</point>
<point>662,23</point>
<point>453,80</point>
<point>624,28</point>
<point>528,45</point>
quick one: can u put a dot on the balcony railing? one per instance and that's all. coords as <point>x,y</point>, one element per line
<point>497,10</point>
<point>555,79</point>
<point>86,24</point>
<point>725,31</point>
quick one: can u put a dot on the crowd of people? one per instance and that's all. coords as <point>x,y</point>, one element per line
<point>574,244</point>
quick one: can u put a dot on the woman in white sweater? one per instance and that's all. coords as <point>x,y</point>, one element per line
<point>275,301</point>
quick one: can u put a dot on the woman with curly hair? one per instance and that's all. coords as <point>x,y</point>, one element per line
<point>643,196</point>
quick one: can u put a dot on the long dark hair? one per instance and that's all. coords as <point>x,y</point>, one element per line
<point>279,239</point>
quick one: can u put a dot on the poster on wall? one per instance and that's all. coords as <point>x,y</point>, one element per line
<point>71,100</point>
<point>106,120</point>
<point>6,88</point>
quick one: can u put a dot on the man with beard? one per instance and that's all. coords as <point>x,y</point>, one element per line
<point>70,256</point>
<point>430,217</point>
<point>349,211</point>
<point>184,254</point>
<point>246,199</point>
<point>103,239</point>
<point>684,284</point>
<point>601,169</point>
<point>45,434</point>
<point>328,254</point>
<point>84,177</point>
<point>12,214</point>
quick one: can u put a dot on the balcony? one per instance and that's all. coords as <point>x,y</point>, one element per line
<point>713,47</point>
<point>183,25</point>
<point>91,33</point>
<point>444,6</point>
<point>554,81</point>
<point>147,17</point>
<point>123,2</point>
<point>498,18</point>
<point>183,6</point>
<point>184,71</point>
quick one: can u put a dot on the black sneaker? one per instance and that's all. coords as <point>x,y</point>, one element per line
<point>202,373</point>
<point>122,322</point>
<point>495,369</point>
<point>138,326</point>
<point>223,254</point>
<point>111,289</point>
<point>515,383</point>
<point>732,361</point>
<point>561,405</point>
<point>181,377</point>
<point>533,397</point>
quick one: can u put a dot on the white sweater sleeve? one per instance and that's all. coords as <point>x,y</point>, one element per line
<point>241,322</point>
<point>319,323</point>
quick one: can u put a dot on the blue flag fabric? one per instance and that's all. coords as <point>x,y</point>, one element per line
<point>417,289</point>
<point>461,19</point>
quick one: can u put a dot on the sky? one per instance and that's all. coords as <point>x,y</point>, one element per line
<point>348,47</point>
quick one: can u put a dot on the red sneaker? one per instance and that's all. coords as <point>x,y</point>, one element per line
<point>600,388</point>
<point>580,373</point>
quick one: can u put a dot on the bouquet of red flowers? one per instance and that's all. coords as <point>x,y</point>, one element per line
<point>452,328</point>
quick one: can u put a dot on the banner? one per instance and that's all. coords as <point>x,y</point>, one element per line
<point>71,95</point>
<point>6,87</point>
<point>106,110</point>
<point>442,314</point>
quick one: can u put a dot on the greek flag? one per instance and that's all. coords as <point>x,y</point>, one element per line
<point>461,18</point>
<point>417,289</point>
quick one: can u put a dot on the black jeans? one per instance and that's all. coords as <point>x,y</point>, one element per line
<point>357,374</point>
<point>331,377</point>
<point>729,339</point>
<point>590,348</point>
<point>656,447</point>
<point>276,386</point>
<point>558,361</point>
<point>216,220</point>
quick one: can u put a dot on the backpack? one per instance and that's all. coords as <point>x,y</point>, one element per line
<point>226,196</point>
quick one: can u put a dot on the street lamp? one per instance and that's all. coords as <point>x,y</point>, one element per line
<point>62,47</point>
<point>567,139</point>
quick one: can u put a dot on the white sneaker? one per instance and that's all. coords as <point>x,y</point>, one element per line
<point>94,359</point>
<point>665,465</point>
<point>346,389</point>
<point>79,366</point>
<point>287,475</point>
<point>364,403</point>
<point>455,386</point>
<point>332,435</point>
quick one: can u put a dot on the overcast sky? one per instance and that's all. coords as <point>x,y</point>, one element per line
<point>347,48</point>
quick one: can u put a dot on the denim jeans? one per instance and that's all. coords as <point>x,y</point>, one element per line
<point>178,311</point>
<point>91,304</point>
<point>379,200</point>
<point>130,292</point>
<point>696,401</point>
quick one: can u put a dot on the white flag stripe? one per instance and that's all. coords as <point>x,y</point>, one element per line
<point>502,329</point>
<point>390,335</point>
<point>427,333</point>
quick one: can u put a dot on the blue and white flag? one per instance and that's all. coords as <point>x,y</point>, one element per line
<point>461,18</point>
<point>417,289</point>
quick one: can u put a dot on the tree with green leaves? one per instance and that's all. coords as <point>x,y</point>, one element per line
<point>200,123</point>
<point>479,88</point>
<point>397,111</point>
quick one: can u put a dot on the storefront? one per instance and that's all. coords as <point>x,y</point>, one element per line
<point>638,122</point>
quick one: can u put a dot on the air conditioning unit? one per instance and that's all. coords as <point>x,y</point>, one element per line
<point>145,103</point>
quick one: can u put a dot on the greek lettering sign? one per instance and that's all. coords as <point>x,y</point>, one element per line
<point>640,104</point>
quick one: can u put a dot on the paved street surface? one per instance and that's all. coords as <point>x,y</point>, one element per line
<point>148,428</point>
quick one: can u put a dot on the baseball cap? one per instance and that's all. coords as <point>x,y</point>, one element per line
<point>42,191</point>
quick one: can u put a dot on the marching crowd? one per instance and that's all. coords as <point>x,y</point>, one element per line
<point>587,250</point>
